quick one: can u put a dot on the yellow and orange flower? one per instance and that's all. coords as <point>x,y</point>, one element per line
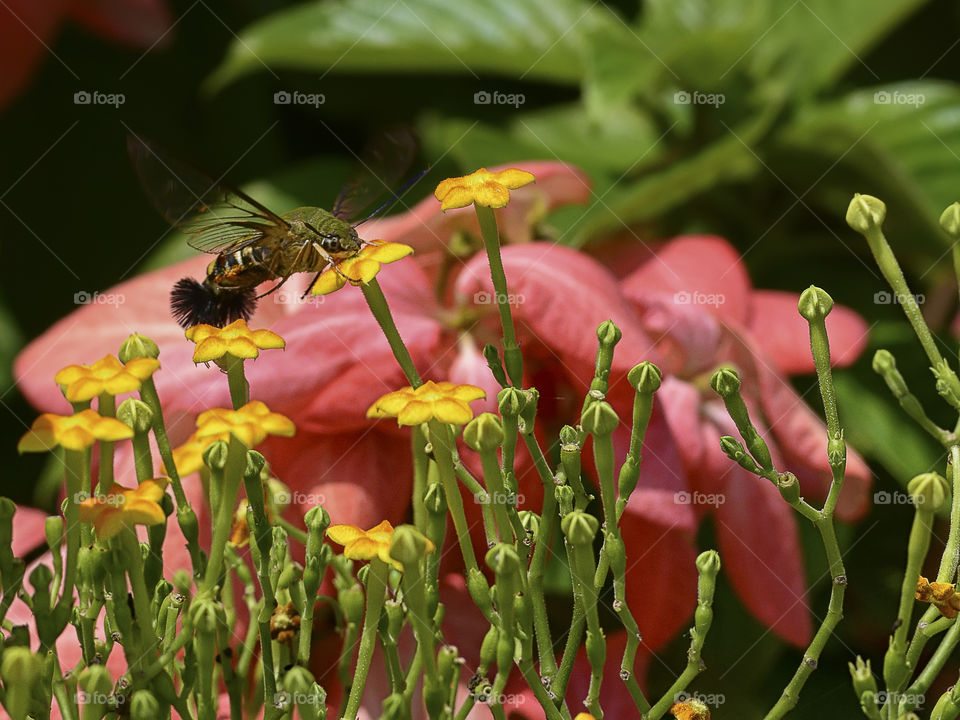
<point>107,375</point>
<point>125,507</point>
<point>942,595</point>
<point>690,710</point>
<point>442,401</point>
<point>250,424</point>
<point>235,339</point>
<point>491,189</point>
<point>361,268</point>
<point>73,432</point>
<point>361,544</point>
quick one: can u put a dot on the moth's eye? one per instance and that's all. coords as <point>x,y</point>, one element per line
<point>331,243</point>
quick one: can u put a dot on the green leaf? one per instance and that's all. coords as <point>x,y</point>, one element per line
<point>907,150</point>
<point>535,39</point>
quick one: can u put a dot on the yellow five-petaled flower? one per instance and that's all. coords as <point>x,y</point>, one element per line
<point>124,507</point>
<point>361,268</point>
<point>107,375</point>
<point>73,432</point>
<point>250,424</point>
<point>189,457</point>
<point>359,544</point>
<point>491,189</point>
<point>442,401</point>
<point>235,339</point>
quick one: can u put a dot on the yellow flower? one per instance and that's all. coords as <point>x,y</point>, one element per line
<point>361,268</point>
<point>73,432</point>
<point>443,401</point>
<point>942,595</point>
<point>123,507</point>
<point>584,716</point>
<point>189,457</point>
<point>106,375</point>
<point>482,187</point>
<point>235,339</point>
<point>690,710</point>
<point>250,424</point>
<point>365,544</point>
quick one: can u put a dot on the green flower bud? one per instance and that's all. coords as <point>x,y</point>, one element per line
<point>568,435</point>
<point>596,649</point>
<point>815,304</point>
<point>479,591</point>
<point>733,449</point>
<point>392,620</point>
<point>502,558</point>
<point>510,401</point>
<point>885,365</point>
<point>725,382</point>
<point>645,377</point>
<point>351,602</point>
<point>600,418</point>
<point>492,356</point>
<point>409,546</point>
<point>488,648</point>
<point>137,346</point>
<point>447,661</point>
<point>215,456</point>
<point>608,333</point>
<point>484,432</point>
<point>255,464</point>
<point>580,527</point>
<point>708,563</point>
<point>96,685</point>
<point>182,581</point>
<point>434,500</point>
<point>144,706</point>
<point>865,213</point>
<point>53,531</point>
<point>863,680</point>
<point>394,706</point>
<point>528,412</point>
<point>565,497</point>
<point>616,553</point>
<point>530,521</point>
<point>929,491</point>
<point>950,221</point>
<point>135,413</point>
<point>19,666</point>
<point>203,613</point>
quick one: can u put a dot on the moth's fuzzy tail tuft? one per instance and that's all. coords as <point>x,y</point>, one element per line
<point>193,303</point>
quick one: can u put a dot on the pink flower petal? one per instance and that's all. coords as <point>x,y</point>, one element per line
<point>697,269</point>
<point>28,530</point>
<point>777,328</point>
<point>560,297</point>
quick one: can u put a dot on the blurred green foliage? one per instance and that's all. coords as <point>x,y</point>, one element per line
<point>820,99</point>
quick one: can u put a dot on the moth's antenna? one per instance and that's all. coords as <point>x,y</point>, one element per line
<point>394,197</point>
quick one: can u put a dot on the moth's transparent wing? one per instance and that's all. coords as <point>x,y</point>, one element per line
<point>216,217</point>
<point>379,168</point>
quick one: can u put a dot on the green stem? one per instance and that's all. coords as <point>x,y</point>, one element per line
<point>223,513</point>
<point>78,483</point>
<point>442,441</point>
<point>107,407</point>
<point>512,358</point>
<point>381,312</point>
<point>376,592</point>
<point>236,379</point>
